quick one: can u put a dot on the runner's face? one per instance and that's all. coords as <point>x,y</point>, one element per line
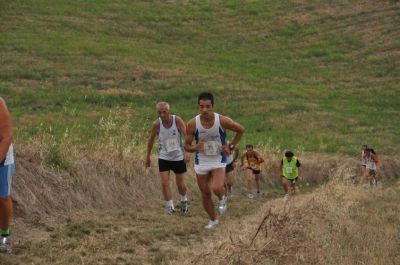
<point>205,107</point>
<point>163,112</point>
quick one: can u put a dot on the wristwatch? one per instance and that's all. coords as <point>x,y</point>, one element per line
<point>231,146</point>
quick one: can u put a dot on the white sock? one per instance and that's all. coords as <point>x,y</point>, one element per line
<point>183,198</point>
<point>170,203</point>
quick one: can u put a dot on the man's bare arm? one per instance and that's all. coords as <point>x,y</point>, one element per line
<point>228,123</point>
<point>150,142</point>
<point>5,129</point>
<point>190,130</point>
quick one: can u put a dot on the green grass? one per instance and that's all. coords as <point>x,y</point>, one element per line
<point>317,75</point>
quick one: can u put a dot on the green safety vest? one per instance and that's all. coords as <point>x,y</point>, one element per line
<point>289,169</point>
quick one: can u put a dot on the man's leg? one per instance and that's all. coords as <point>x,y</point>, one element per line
<point>230,179</point>
<point>166,190</point>
<point>285,184</point>
<point>218,181</point>
<point>6,205</point>
<point>249,176</point>
<point>181,184</point>
<point>294,187</point>
<point>218,187</point>
<point>258,178</point>
<point>203,183</point>
<point>5,215</point>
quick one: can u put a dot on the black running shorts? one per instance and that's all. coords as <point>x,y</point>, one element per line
<point>229,168</point>
<point>255,171</point>
<point>178,167</point>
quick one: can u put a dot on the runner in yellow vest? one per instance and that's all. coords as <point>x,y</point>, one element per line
<point>290,168</point>
<point>253,169</point>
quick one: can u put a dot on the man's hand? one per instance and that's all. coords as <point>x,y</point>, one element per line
<point>200,147</point>
<point>186,157</point>
<point>147,161</point>
<point>225,150</point>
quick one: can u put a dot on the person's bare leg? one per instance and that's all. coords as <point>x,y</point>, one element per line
<point>203,181</point>
<point>249,176</point>
<point>181,184</point>
<point>166,190</point>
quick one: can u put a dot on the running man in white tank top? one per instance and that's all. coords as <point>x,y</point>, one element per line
<point>170,130</point>
<point>6,172</point>
<point>211,151</point>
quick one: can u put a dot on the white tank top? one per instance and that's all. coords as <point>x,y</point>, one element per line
<point>371,165</point>
<point>171,146</point>
<point>213,138</point>
<point>9,159</point>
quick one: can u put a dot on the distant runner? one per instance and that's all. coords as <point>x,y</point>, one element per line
<point>364,161</point>
<point>230,171</point>
<point>372,165</point>
<point>211,151</point>
<point>290,168</point>
<point>253,169</point>
<point>7,168</point>
<point>170,130</point>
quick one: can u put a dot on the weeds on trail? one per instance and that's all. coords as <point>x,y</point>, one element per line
<point>337,224</point>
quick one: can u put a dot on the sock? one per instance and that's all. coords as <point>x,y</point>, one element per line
<point>183,198</point>
<point>170,203</point>
<point>5,232</point>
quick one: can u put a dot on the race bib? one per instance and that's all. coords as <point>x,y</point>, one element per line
<point>289,170</point>
<point>172,144</point>
<point>211,148</point>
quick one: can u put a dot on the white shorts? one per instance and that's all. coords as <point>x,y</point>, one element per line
<point>206,169</point>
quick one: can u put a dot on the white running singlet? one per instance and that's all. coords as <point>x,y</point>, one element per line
<point>213,138</point>
<point>171,146</point>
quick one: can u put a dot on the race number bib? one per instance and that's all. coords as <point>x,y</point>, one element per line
<point>289,170</point>
<point>172,144</point>
<point>211,148</point>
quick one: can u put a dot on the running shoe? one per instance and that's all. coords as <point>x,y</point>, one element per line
<point>222,205</point>
<point>211,224</point>
<point>5,244</point>
<point>184,207</point>
<point>250,195</point>
<point>286,197</point>
<point>170,210</point>
<point>259,194</point>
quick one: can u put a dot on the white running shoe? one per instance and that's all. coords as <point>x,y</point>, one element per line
<point>222,205</point>
<point>211,224</point>
<point>170,210</point>
<point>5,244</point>
<point>286,197</point>
<point>250,195</point>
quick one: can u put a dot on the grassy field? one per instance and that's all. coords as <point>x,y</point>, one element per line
<point>307,75</point>
<point>81,79</point>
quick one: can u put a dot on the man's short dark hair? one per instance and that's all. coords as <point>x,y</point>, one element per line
<point>206,96</point>
<point>371,150</point>
<point>249,146</point>
<point>289,154</point>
